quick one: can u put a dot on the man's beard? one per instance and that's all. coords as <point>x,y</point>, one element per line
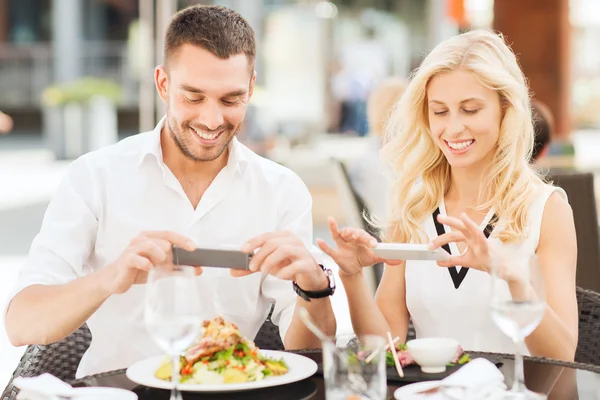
<point>185,149</point>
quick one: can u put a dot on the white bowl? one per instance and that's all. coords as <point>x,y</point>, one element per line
<point>432,354</point>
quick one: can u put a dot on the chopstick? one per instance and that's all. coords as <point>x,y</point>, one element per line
<point>396,361</point>
<point>386,348</point>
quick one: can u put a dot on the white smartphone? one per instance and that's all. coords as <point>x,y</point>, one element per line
<point>408,251</point>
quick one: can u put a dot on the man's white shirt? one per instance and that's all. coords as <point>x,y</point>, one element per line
<point>110,196</point>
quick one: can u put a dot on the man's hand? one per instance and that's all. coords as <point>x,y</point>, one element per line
<point>354,249</point>
<point>147,250</point>
<point>283,255</point>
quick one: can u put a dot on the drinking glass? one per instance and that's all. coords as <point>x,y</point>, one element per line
<point>348,375</point>
<point>518,304</point>
<point>172,313</point>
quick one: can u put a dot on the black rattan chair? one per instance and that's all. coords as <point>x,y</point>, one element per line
<point>580,190</point>
<point>588,346</point>
<point>61,359</point>
<point>268,335</point>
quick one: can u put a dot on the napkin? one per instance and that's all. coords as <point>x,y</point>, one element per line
<point>48,387</point>
<point>45,386</point>
<point>479,379</point>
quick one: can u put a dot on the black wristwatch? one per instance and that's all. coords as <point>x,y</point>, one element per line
<point>317,294</point>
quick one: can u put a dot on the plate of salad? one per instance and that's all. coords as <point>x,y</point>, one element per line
<point>223,360</point>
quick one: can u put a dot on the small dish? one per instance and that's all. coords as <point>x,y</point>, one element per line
<point>432,354</point>
<point>102,393</point>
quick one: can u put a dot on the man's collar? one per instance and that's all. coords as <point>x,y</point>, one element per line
<point>152,147</point>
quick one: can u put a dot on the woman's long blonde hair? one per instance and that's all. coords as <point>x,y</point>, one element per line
<point>509,185</point>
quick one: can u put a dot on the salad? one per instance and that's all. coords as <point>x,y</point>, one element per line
<point>222,355</point>
<point>406,359</point>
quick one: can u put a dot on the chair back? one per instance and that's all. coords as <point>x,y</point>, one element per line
<point>268,337</point>
<point>355,209</point>
<point>580,190</point>
<point>588,345</point>
<point>353,204</point>
<point>60,359</point>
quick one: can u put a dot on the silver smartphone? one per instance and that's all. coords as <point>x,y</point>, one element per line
<point>219,258</point>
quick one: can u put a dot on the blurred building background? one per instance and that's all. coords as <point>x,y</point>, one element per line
<point>76,75</point>
<point>317,59</point>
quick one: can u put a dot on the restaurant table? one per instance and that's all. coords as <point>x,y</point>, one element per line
<point>559,380</point>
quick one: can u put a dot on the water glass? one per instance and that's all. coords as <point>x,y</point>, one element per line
<point>518,304</point>
<point>347,375</point>
<point>172,313</point>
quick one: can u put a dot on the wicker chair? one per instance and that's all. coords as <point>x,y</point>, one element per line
<point>580,190</point>
<point>60,359</point>
<point>268,335</point>
<point>588,346</point>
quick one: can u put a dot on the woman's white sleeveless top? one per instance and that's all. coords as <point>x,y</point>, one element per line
<point>439,309</point>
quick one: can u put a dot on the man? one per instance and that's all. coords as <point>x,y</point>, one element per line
<point>187,183</point>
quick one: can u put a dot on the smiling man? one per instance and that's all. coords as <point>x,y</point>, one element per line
<point>188,182</point>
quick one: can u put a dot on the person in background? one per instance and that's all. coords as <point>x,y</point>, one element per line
<point>543,126</point>
<point>6,123</point>
<point>367,171</point>
<point>363,63</point>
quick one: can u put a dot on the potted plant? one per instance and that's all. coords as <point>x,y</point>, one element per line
<point>80,116</point>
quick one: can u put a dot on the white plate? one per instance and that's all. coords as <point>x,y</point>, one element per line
<point>409,392</point>
<point>102,393</point>
<point>299,367</point>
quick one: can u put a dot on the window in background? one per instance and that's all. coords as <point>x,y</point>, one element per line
<point>28,21</point>
<point>585,21</point>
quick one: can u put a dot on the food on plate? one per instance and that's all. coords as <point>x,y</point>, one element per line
<point>222,355</point>
<point>406,359</point>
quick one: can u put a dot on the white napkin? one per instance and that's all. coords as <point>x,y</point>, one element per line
<point>45,386</point>
<point>479,379</point>
<point>48,387</point>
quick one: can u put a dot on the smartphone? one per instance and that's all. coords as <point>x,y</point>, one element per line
<point>408,251</point>
<point>219,258</point>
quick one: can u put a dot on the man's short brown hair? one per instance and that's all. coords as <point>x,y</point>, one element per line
<point>219,30</point>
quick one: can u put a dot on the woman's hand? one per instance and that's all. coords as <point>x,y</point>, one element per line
<point>354,249</point>
<point>477,253</point>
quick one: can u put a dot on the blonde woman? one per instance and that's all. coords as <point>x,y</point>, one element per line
<point>464,127</point>
<point>366,172</point>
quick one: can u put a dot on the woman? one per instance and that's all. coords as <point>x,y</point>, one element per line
<point>464,127</point>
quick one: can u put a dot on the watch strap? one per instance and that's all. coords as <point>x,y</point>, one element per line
<point>316,294</point>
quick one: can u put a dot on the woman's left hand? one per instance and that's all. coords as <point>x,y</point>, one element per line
<point>477,253</point>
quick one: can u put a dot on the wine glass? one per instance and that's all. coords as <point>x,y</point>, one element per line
<point>518,304</point>
<point>172,313</point>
